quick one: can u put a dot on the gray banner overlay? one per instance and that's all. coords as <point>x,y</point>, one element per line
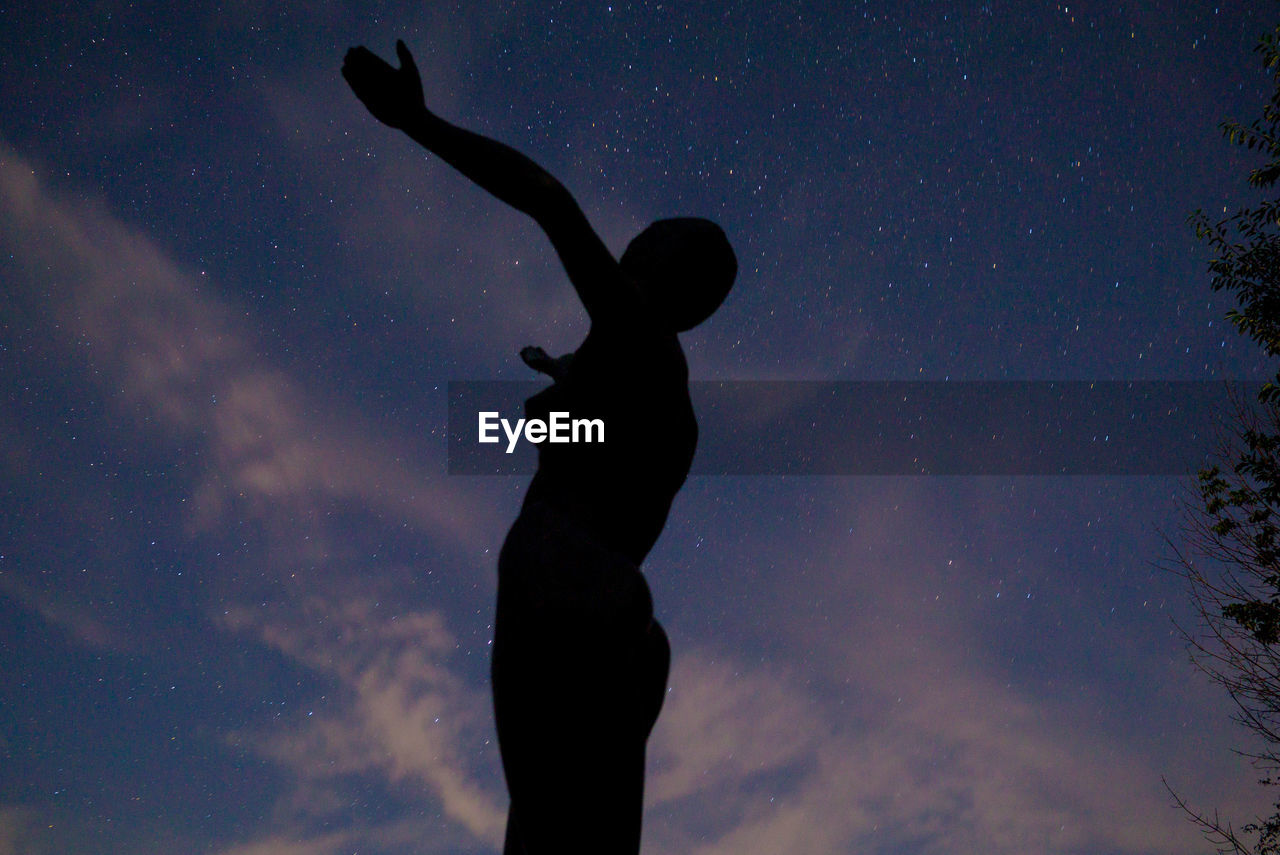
<point>902,428</point>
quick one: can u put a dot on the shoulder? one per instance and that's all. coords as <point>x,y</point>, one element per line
<point>632,342</point>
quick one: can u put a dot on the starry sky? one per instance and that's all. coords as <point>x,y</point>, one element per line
<point>245,609</point>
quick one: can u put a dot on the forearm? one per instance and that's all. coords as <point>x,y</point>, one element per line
<point>496,168</point>
<point>527,187</point>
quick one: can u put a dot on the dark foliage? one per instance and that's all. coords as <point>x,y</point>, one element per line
<point>1232,562</point>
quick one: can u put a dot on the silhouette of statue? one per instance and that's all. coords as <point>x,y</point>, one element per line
<point>579,663</point>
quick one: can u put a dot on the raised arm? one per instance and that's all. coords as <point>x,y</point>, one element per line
<point>394,97</point>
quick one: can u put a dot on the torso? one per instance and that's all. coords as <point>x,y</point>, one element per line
<point>620,491</point>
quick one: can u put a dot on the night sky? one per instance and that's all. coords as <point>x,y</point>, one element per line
<point>244,609</point>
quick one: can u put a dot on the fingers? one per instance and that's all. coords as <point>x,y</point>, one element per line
<point>363,64</point>
<point>362,56</point>
<point>357,55</point>
<point>356,58</point>
<point>406,58</point>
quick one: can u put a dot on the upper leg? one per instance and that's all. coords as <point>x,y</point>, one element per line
<point>572,741</point>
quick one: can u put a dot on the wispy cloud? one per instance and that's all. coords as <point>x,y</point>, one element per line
<point>747,759</point>
<point>288,845</point>
<point>168,351</point>
<point>878,716</point>
<point>173,356</point>
<point>411,719</point>
<point>16,824</point>
<point>76,619</point>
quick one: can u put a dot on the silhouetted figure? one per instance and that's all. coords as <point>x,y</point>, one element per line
<point>579,663</point>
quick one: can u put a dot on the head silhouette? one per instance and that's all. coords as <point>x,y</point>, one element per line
<point>685,267</point>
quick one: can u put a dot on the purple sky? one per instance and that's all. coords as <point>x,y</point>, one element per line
<point>244,610</point>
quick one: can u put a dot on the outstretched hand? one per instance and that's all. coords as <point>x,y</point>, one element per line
<point>392,95</point>
<point>538,359</point>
